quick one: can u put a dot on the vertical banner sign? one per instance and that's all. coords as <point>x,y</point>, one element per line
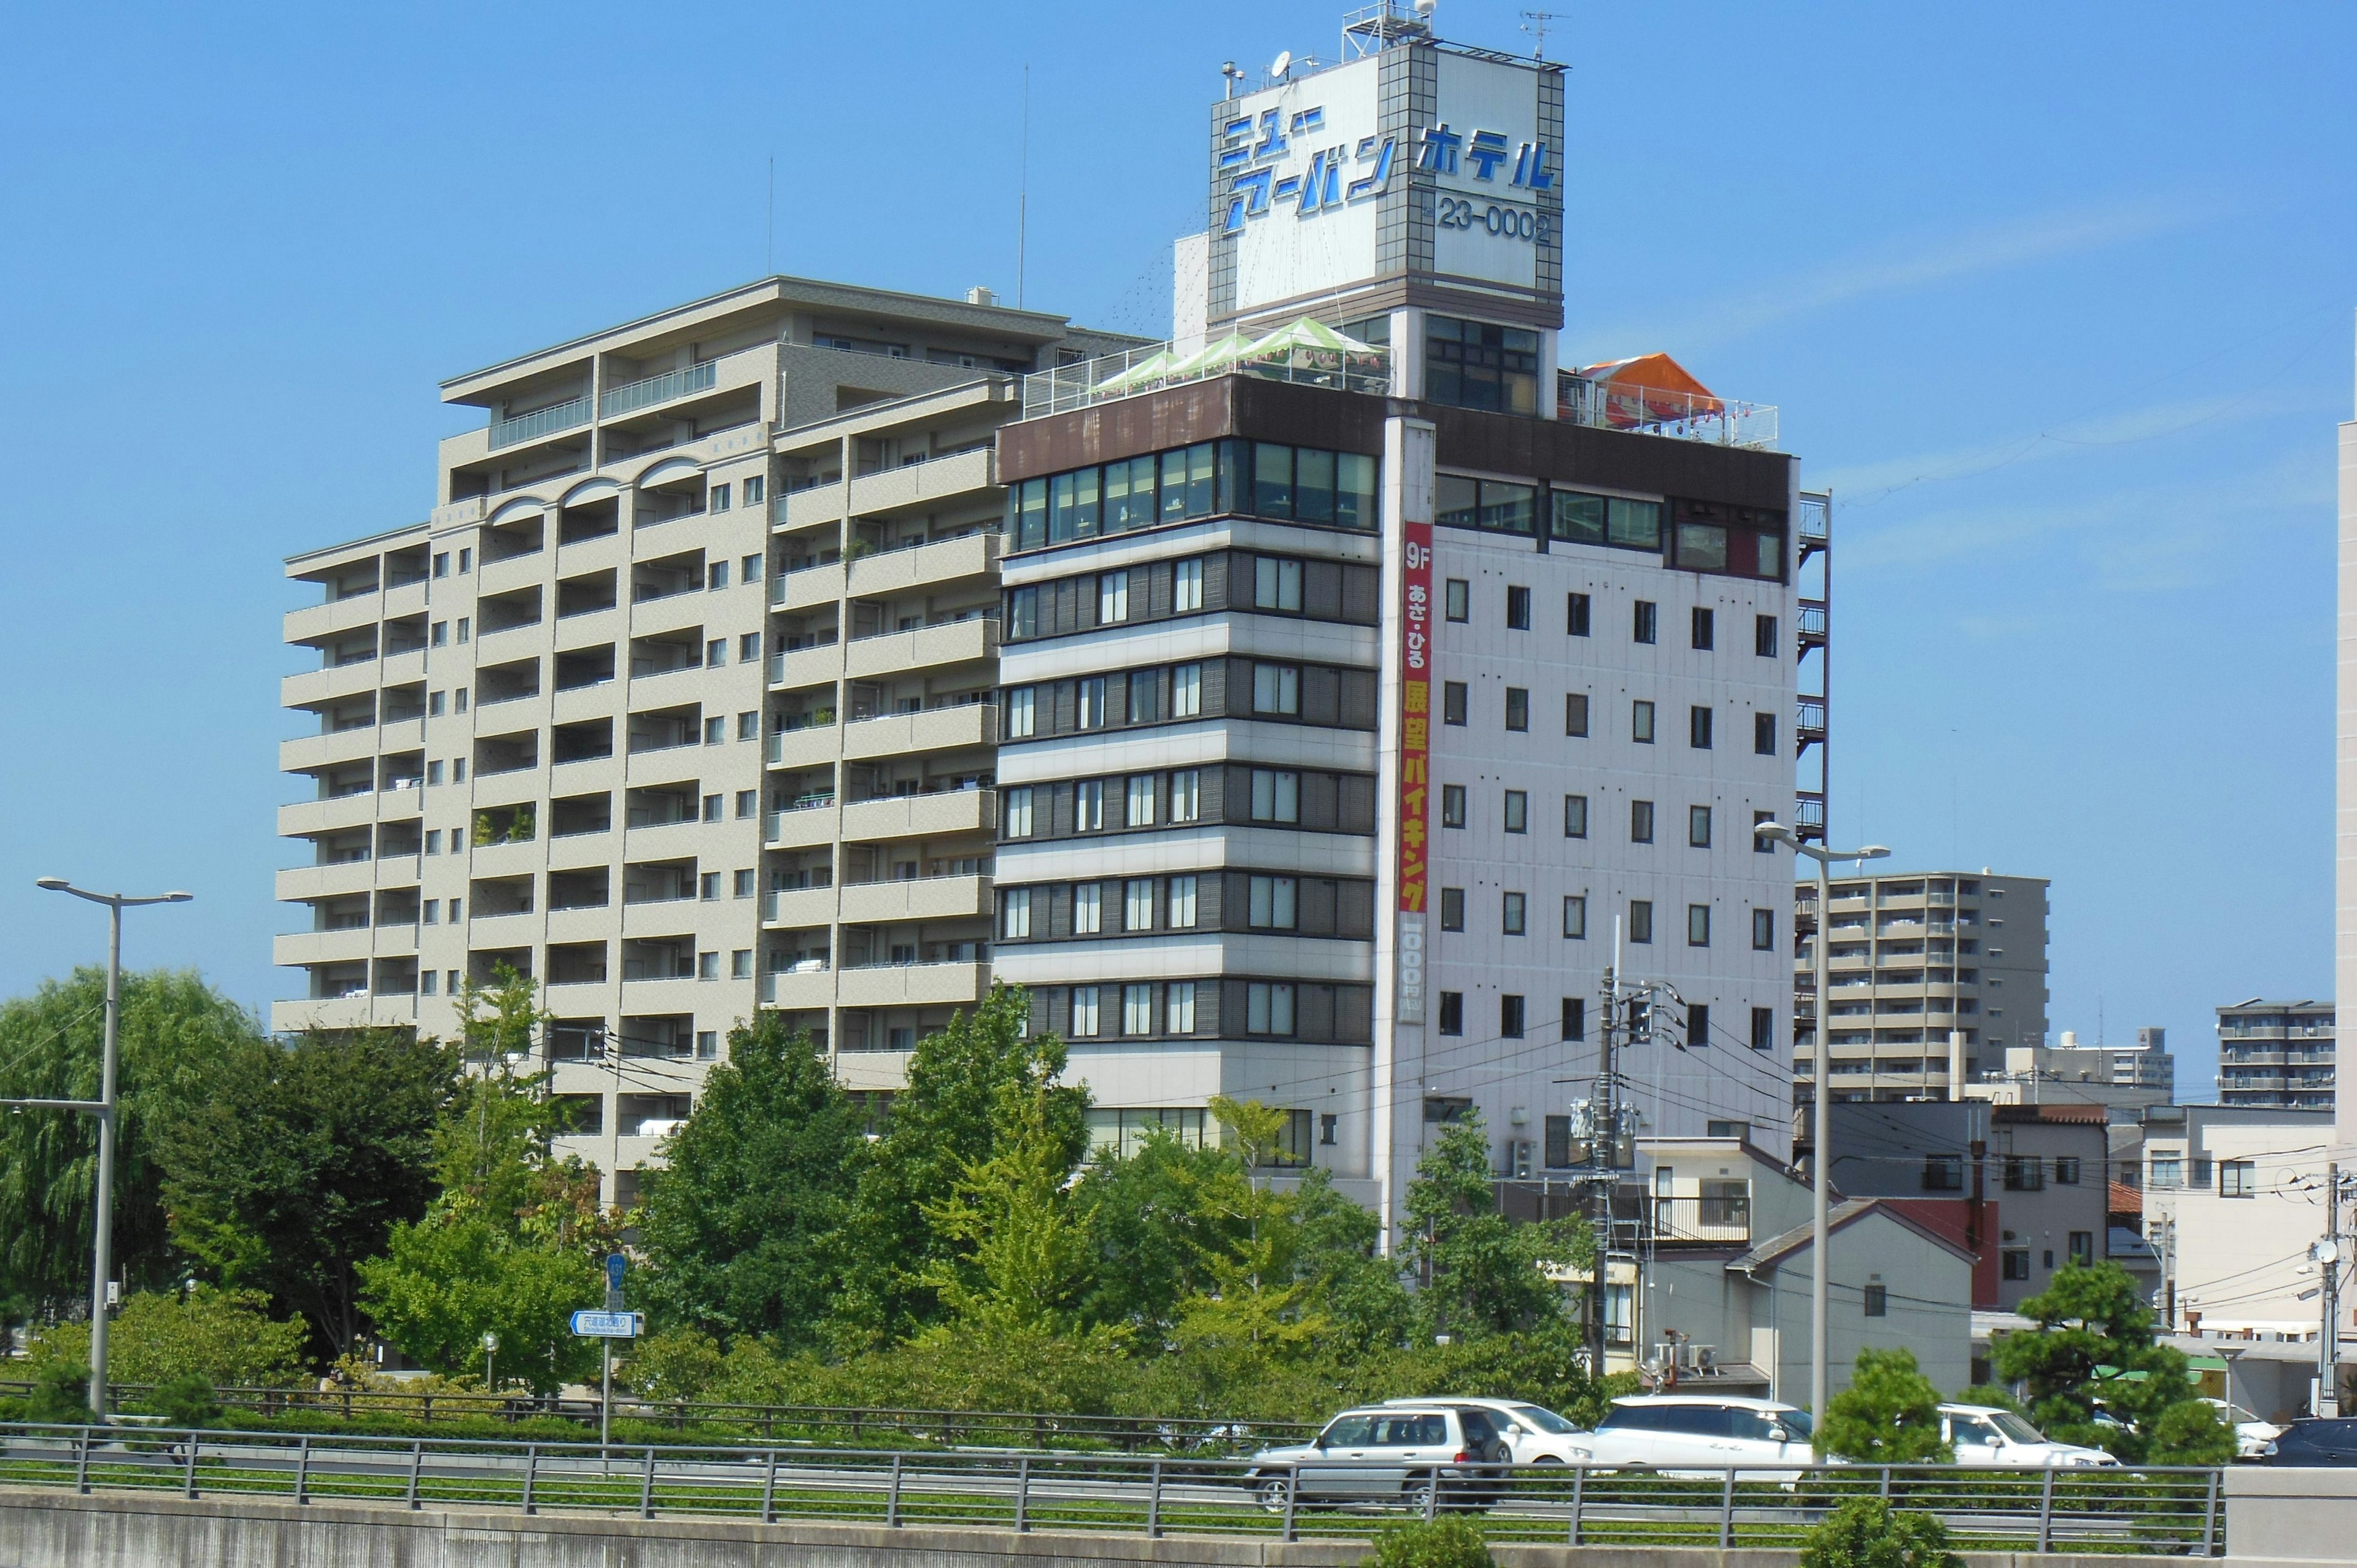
<point>1415,746</point>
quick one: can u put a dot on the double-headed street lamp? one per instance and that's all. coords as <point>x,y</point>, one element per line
<point>1820,1138</point>
<point>103,1108</point>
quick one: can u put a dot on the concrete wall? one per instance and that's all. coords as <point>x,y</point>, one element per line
<point>41,1529</point>
<point>2298,1514</point>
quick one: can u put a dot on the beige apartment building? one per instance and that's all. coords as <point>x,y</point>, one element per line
<point>1911,958</point>
<point>680,701</point>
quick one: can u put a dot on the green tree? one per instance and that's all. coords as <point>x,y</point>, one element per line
<point>61,1396</point>
<point>187,1400</point>
<point>1153,1229</point>
<point>1434,1543</point>
<point>299,1162</point>
<point>175,1033</point>
<point>1256,1308</point>
<point>744,1226</point>
<point>1020,1252</point>
<point>1867,1532</point>
<point>942,1125</point>
<point>1890,1414</point>
<point>1481,1272</point>
<point>1337,1251</point>
<point>2095,1346</point>
<point>457,1274</point>
<point>225,1337</point>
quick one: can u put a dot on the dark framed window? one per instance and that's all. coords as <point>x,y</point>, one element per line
<point>1763,1028</point>
<point>1452,805</point>
<point>1763,636</point>
<point>1452,1013</point>
<point>1698,728</point>
<point>1575,713</point>
<point>1574,816</point>
<point>1575,615</point>
<point>1518,609</point>
<point>1452,701</point>
<point>1509,1016</point>
<point>1698,827</point>
<point>1645,624</point>
<point>1763,930</point>
<point>1574,1022</point>
<point>1452,908</point>
<point>1476,364</point>
<point>1763,734</point>
<point>1518,708</point>
<point>1640,821</point>
<point>1640,919</point>
<point>1877,1301</point>
<point>1705,628</point>
<point>1697,1026</point>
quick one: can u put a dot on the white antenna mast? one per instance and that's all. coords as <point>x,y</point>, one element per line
<point>1023,189</point>
<point>1536,24</point>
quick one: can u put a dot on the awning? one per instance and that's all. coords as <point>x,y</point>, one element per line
<point>1649,389</point>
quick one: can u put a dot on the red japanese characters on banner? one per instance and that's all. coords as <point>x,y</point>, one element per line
<point>1415,748</point>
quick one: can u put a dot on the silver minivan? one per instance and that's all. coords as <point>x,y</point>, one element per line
<point>1389,1454</point>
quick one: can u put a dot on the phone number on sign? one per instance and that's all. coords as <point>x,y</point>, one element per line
<point>1509,222</point>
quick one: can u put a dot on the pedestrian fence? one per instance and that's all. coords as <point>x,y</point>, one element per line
<point>2151,1510</point>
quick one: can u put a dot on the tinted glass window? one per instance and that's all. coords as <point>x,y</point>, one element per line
<point>1543,1419</point>
<point>1478,1430</point>
<point>1634,1418</point>
<point>1750,1425</point>
<point>1350,1432</point>
<point>1411,1431</point>
<point>1695,1419</point>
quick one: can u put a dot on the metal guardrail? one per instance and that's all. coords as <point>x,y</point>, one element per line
<point>2175,1511</point>
<point>540,421</point>
<point>646,393</point>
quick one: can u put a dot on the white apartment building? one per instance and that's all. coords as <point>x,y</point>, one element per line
<point>1914,958</point>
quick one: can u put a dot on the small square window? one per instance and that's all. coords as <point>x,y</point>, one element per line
<point>707,887</point>
<point>743,885</point>
<point>1452,701</point>
<point>748,648</point>
<point>740,964</point>
<point>715,576</point>
<point>1518,811</point>
<point>1645,625</point>
<point>715,730</point>
<point>707,966</point>
<point>748,726</point>
<point>1452,908</point>
<point>1458,599</point>
<point>756,488</point>
<point>1518,708</point>
<point>749,804</point>
<point>433,704</point>
<point>1452,805</point>
<point>717,499</point>
<point>712,804</point>
<point>748,571</point>
<point>1518,609</point>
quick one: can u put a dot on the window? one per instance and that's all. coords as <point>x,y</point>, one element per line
<point>1179,1007</point>
<point>717,499</point>
<point>1943,1172</point>
<point>1138,1009</point>
<point>1759,845</point>
<point>1574,713</point>
<point>2238,1179</point>
<point>1877,1301</point>
<point>1182,902</point>
<point>1763,1028</point>
<point>459,699</point>
<point>742,885</point>
<point>432,910</point>
<point>748,726</point>
<point>1698,827</point>
<point>1474,364</point>
<point>1458,599</point>
<point>1088,908</point>
<point>1276,584</point>
<point>1452,908</point>
<point>1763,734</point>
<point>1574,816</point>
<point>1186,691</point>
<point>1113,597</point>
<point>458,776</point>
<point>1697,1026</point>
<point>465,564</point>
<point>1187,587</point>
<point>1020,719</point>
<point>1763,636</point>
<point>1137,904</point>
<point>2024,1172</point>
<point>1518,609</point>
<point>1452,805</point>
<point>1452,701</point>
<point>1574,1027</point>
<point>1574,916</point>
<point>740,964</point>
<point>442,562</point>
<point>440,635</point>
<point>2167,1171</point>
<point>466,623</point>
<point>1518,708</point>
<point>1023,613</point>
<point>715,730</point>
<point>1275,796</point>
<point>1641,721</point>
<point>1276,689</point>
<point>1140,812</point>
<point>1091,704</point>
<point>1575,615</point>
<point>434,705</point>
<point>2015,1261</point>
<point>1640,919</point>
<point>1185,798</point>
<point>712,808</point>
<point>1268,1008</point>
<point>1698,728</point>
<point>1510,1017</point>
<point>707,966</point>
<point>748,571</point>
<point>755,487</point>
<point>1452,1013</point>
<point>1640,821</point>
<point>1763,930</point>
<point>2066,1171</point>
<point>1088,805</point>
<point>434,841</point>
<point>1016,803</point>
<point>1273,904</point>
<point>1511,915</point>
<point>1706,628</point>
<point>1518,811</point>
<point>1697,925</point>
<point>1646,624</point>
<point>1084,1010</point>
<point>749,804</point>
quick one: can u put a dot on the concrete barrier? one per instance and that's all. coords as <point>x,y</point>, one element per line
<point>42,1529</point>
<point>2291,1517</point>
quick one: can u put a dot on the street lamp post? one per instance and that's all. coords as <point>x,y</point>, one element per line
<point>103,1108</point>
<point>1821,1118</point>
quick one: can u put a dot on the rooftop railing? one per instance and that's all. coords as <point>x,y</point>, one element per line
<point>631,396</point>
<point>540,421</point>
<point>1656,411</point>
<point>1117,376</point>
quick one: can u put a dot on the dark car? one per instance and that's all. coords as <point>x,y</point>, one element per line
<point>2317,1443</point>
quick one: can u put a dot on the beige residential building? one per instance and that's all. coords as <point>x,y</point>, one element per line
<point>536,732</point>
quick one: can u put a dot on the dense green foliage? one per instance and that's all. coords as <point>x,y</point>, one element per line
<point>1890,1414</point>
<point>1447,1542</point>
<point>185,1401</point>
<point>2096,1349</point>
<point>1867,1532</point>
<point>61,1395</point>
<point>227,1338</point>
<point>176,1032</point>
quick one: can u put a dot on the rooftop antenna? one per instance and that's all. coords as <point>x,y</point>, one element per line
<point>1234,74</point>
<point>769,246</point>
<point>1023,189</point>
<point>1536,24</point>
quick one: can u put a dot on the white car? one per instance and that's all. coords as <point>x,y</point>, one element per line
<point>1983,1435</point>
<point>2254,1438</point>
<point>1700,1431</point>
<point>1533,1434</point>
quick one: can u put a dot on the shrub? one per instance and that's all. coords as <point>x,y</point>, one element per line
<point>1890,1414</point>
<point>225,1337</point>
<point>61,1396</point>
<point>187,1400</point>
<point>1865,1533</point>
<point>1440,1543</point>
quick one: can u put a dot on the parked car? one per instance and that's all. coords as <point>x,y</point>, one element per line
<point>1983,1434</point>
<point>2254,1438</point>
<point>1700,1431</point>
<point>2317,1441</point>
<point>1536,1435</point>
<point>1390,1453</point>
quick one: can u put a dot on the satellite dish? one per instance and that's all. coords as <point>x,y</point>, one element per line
<point>1283,63</point>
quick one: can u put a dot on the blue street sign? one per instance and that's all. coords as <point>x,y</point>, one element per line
<point>616,1262</point>
<point>606,1325</point>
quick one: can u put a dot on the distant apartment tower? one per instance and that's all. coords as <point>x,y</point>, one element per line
<point>2276,1054</point>
<point>2147,1064</point>
<point>1912,957</point>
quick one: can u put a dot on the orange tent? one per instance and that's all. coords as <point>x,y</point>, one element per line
<point>1649,389</point>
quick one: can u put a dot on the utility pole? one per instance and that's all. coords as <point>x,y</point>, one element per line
<point>1603,1111</point>
<point>2327,1265</point>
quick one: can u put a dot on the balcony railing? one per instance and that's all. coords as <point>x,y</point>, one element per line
<point>1656,411</point>
<point>635,395</point>
<point>540,421</point>
<point>1117,376</point>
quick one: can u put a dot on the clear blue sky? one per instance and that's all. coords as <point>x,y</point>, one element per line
<point>2057,298</point>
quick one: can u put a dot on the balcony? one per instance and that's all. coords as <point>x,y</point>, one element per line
<point>802,826</point>
<point>631,396</point>
<point>922,484</point>
<point>923,565</point>
<point>804,746</point>
<point>542,422</point>
<point>919,899</point>
<point>800,988</point>
<point>309,753</point>
<point>968,726</point>
<point>946,812</point>
<point>1715,1218</point>
<point>1808,722</point>
<point>911,984</point>
<point>896,652</point>
<point>1607,404</point>
<point>307,948</point>
<point>812,666</point>
<point>808,587</point>
<point>300,883</point>
<point>795,908</point>
<point>810,506</point>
